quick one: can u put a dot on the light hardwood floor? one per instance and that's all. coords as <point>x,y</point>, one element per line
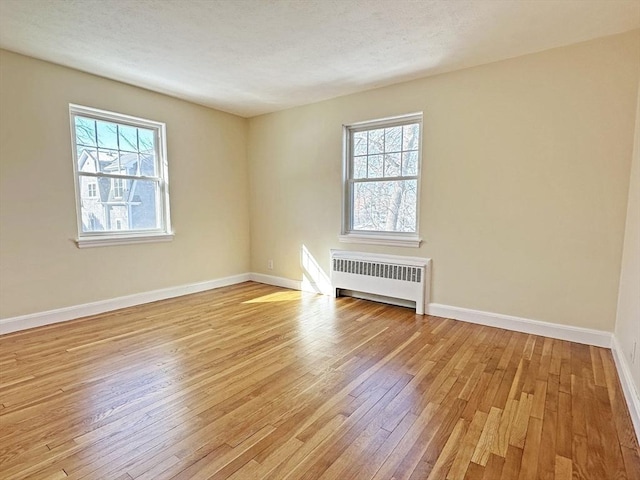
<point>253,381</point>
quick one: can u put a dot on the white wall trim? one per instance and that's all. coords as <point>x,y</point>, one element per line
<point>107,241</point>
<point>23,322</point>
<point>276,281</point>
<point>305,286</point>
<point>631,394</point>
<point>598,338</point>
<point>412,241</point>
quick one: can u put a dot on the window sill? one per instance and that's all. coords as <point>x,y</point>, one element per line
<point>110,240</point>
<point>412,241</point>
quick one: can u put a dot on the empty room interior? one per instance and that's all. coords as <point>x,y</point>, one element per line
<point>319,239</point>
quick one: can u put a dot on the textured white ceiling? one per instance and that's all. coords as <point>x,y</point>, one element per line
<point>255,56</point>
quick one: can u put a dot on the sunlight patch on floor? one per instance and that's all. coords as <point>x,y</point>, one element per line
<point>277,297</point>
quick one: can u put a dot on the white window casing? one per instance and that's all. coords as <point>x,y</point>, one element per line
<point>124,158</point>
<point>381,174</point>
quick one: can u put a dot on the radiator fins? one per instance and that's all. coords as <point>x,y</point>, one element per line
<point>378,269</point>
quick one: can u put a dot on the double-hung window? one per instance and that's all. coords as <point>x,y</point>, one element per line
<point>382,181</point>
<point>120,167</point>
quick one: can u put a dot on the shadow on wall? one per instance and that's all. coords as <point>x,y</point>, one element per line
<point>313,277</point>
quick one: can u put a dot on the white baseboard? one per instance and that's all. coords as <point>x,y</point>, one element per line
<point>597,338</point>
<point>276,281</point>
<point>631,394</point>
<point>303,285</point>
<point>23,322</point>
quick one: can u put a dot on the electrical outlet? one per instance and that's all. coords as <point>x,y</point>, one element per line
<point>270,264</point>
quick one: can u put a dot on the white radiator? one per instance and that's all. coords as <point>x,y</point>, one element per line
<point>406,278</point>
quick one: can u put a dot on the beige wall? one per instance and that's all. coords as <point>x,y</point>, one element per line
<point>524,181</point>
<point>524,190</point>
<point>627,330</point>
<point>40,266</point>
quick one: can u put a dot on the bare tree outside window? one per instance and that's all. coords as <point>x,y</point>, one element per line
<point>383,162</point>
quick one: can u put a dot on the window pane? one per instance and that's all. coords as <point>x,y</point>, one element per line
<point>120,204</point>
<point>107,134</point>
<point>91,160</point>
<point>129,163</point>
<point>148,164</point>
<point>85,131</point>
<point>375,166</point>
<point>128,138</point>
<point>360,167</point>
<point>138,164</point>
<point>393,139</point>
<point>92,209</point>
<point>87,160</point>
<point>360,143</point>
<point>376,141</point>
<point>147,140</point>
<point>88,187</point>
<point>410,137</point>
<point>144,205</point>
<point>109,161</point>
<point>392,165</point>
<point>385,206</point>
<point>410,163</point>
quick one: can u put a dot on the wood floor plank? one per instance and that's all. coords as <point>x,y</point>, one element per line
<point>421,457</point>
<point>546,457</point>
<point>521,421</point>
<point>463,458</point>
<point>395,458</point>
<point>512,463</point>
<point>284,469</point>
<point>493,469</point>
<point>450,450</point>
<point>501,439</point>
<point>631,458</point>
<point>258,382</point>
<point>539,399</point>
<point>556,358</point>
<point>378,457</point>
<point>487,437</point>
<point>564,433</point>
<point>562,468</point>
<point>529,465</point>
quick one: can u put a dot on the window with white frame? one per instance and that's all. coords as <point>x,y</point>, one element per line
<point>382,181</point>
<point>121,162</point>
